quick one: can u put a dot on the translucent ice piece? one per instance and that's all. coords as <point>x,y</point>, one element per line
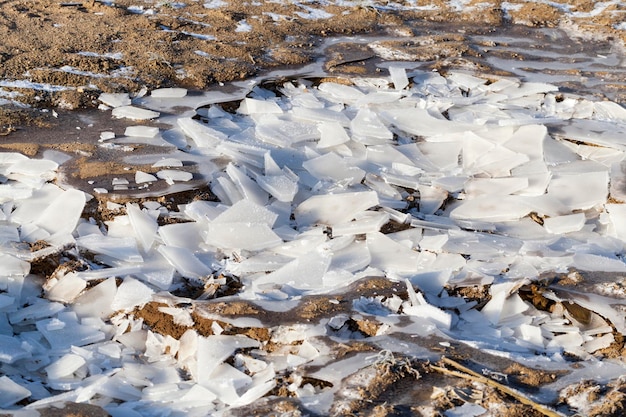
<point>492,208</point>
<point>332,134</point>
<point>115,99</point>
<point>495,186</point>
<point>143,177</point>
<point>203,136</point>
<point>144,225</point>
<point>64,366</point>
<point>246,211</point>
<point>11,392</point>
<point>169,92</point>
<point>609,110</point>
<point>254,106</point>
<point>141,131</point>
<point>367,128</point>
<point>330,166</point>
<point>183,235</point>
<point>567,189</point>
<point>134,113</point>
<point>321,115</point>
<point>171,175</point>
<point>248,188</point>
<point>185,262</point>
<point>11,349</point>
<point>62,215</point>
<point>564,224</point>
<point>97,301</point>
<point>305,273</point>
<point>398,77</point>
<point>72,334</point>
<point>366,223</point>
<point>281,187</point>
<point>122,248</point>
<point>247,236</point>
<point>213,351</point>
<point>389,255</point>
<point>67,288</point>
<point>131,293</point>
<point>340,93</point>
<point>334,208</point>
<point>420,122</point>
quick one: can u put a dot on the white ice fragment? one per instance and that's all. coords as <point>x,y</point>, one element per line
<point>64,366</point>
<point>141,131</point>
<point>332,134</point>
<point>131,293</point>
<point>502,305</point>
<point>281,187</point>
<point>115,99</point>
<point>204,136</point>
<point>13,266</point>
<point>11,349</point>
<point>609,110</point>
<point>332,167</point>
<point>398,77</point>
<point>340,93</point>
<point>169,93</point>
<point>599,263</point>
<point>185,262</point>
<point>420,122</point>
<point>143,177</point>
<point>213,351</point>
<point>566,188</point>
<point>144,225</point>
<point>72,334</point>
<point>331,209</point>
<point>168,162</point>
<point>601,342</point>
<point>42,168</point>
<point>492,208</point>
<point>466,410</point>
<point>249,189</point>
<point>67,288</point>
<point>531,334</point>
<point>11,392</point>
<point>134,113</point>
<point>367,223</point>
<point>367,128</point>
<point>498,186</point>
<point>254,106</point>
<point>107,135</point>
<point>171,175</point>
<point>564,224</point>
<point>305,272</point>
<point>321,115</point>
<point>241,235</point>
<point>97,301</point>
<point>247,211</point>
<point>389,255</point>
<point>122,248</point>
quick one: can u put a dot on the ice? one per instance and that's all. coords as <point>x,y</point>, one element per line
<point>67,288</point>
<point>254,106</point>
<point>332,209</point>
<point>183,235</point>
<point>71,334</point>
<point>331,134</point>
<point>239,235</point>
<point>565,224</point>
<point>367,128</point>
<point>131,293</point>
<point>144,225</point>
<point>172,175</point>
<point>168,162</point>
<point>389,255</point>
<point>65,366</point>
<point>122,248</point>
<point>332,167</point>
<point>367,223</point>
<point>115,99</point>
<point>420,122</point>
<point>134,113</point>
<point>566,189</point>
<point>11,392</point>
<point>141,131</point>
<point>398,77</point>
<point>248,188</point>
<point>12,349</point>
<point>185,262</point>
<point>609,110</point>
<point>203,136</point>
<point>247,211</point>
<point>143,177</point>
<point>309,268</point>
<point>492,208</point>
<point>169,93</point>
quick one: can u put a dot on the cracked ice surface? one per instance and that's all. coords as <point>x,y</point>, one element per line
<point>313,175</point>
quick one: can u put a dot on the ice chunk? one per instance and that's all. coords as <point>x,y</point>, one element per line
<point>212,351</point>
<point>169,93</point>
<point>141,131</point>
<point>11,392</point>
<point>332,134</point>
<point>254,106</point>
<point>331,209</point>
<point>366,223</point>
<point>11,349</point>
<point>144,225</point>
<point>332,167</point>
<point>239,235</point>
<point>321,115</point>
<point>64,366</point>
<point>305,272</point>
<point>97,301</point>
<point>115,99</point>
<point>248,188</point>
<point>171,175</point>
<point>168,162</point>
<point>281,187</point>
<point>62,215</point>
<point>609,110</point>
<point>567,189</point>
<point>420,122</point>
<point>204,136</point>
<point>143,177</point>
<point>131,293</point>
<point>71,334</point>
<point>13,266</point>
<point>398,77</point>
<point>246,211</point>
<point>498,186</point>
<point>389,255</point>
<point>340,93</point>
<point>134,113</point>
<point>122,248</point>
<point>492,208</point>
<point>367,128</point>
<point>185,262</point>
<point>564,224</point>
<point>67,288</point>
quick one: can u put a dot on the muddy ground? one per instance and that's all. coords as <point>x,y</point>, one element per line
<point>73,51</point>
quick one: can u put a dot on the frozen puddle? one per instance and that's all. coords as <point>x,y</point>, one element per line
<point>461,173</point>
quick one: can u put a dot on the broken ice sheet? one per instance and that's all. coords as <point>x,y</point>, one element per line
<point>334,208</point>
<point>134,113</point>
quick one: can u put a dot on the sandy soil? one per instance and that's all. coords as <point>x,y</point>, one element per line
<point>111,49</point>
